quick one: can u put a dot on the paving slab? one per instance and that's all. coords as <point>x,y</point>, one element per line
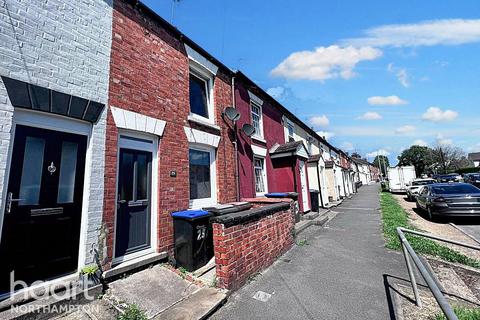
<point>197,306</point>
<point>153,290</point>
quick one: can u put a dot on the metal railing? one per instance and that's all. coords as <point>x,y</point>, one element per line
<point>430,279</point>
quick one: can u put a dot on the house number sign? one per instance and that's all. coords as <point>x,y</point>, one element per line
<point>201,232</point>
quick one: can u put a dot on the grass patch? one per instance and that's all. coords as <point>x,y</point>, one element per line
<point>132,313</point>
<point>462,314</point>
<point>395,216</point>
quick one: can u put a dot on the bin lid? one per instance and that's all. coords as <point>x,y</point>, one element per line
<point>228,208</point>
<point>276,194</point>
<point>190,214</point>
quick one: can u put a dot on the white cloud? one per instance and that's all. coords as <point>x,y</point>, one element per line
<point>402,77</point>
<point>319,121</point>
<point>370,116</point>
<point>379,152</point>
<point>324,63</point>
<point>347,146</point>
<point>436,114</point>
<point>420,142</point>
<point>386,101</point>
<point>400,73</point>
<point>407,129</point>
<point>326,134</point>
<point>442,141</point>
<point>276,92</point>
<point>425,33</point>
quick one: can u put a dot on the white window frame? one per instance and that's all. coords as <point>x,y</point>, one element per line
<point>212,200</point>
<point>260,119</point>
<point>203,74</point>
<point>290,124</point>
<point>264,175</point>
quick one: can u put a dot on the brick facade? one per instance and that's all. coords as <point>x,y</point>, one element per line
<point>150,76</point>
<point>242,250</point>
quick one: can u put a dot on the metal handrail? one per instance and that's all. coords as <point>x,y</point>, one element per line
<point>430,279</point>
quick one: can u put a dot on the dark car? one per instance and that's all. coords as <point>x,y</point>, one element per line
<point>449,199</point>
<point>451,177</point>
<point>472,178</point>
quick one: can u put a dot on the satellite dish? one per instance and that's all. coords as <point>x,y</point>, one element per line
<point>231,113</point>
<point>248,129</point>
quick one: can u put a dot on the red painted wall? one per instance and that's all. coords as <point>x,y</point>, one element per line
<point>149,74</point>
<point>272,132</point>
<point>280,171</point>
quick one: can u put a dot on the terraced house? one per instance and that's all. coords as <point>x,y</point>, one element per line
<point>112,119</point>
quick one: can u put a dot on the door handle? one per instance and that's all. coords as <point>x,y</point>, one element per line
<point>121,201</point>
<point>9,202</point>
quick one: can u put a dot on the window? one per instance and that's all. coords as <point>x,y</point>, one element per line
<point>309,146</point>
<point>199,95</point>
<point>257,120</point>
<point>291,130</point>
<point>260,176</point>
<point>202,176</point>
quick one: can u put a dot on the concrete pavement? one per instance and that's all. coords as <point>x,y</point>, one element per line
<point>470,228</point>
<point>342,271</point>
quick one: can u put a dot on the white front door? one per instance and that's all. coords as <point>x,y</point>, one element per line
<point>303,183</point>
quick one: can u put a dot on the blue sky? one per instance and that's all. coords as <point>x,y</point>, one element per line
<point>374,76</point>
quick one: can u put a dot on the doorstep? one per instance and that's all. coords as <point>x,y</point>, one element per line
<point>133,264</point>
<point>315,218</point>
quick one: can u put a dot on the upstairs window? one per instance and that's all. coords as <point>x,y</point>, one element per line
<point>291,130</point>
<point>199,95</point>
<point>257,120</point>
<point>309,146</point>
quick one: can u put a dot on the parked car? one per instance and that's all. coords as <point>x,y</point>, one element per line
<point>449,199</point>
<point>472,178</point>
<point>416,185</point>
<point>451,177</point>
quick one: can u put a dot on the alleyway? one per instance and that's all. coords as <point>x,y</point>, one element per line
<point>339,272</point>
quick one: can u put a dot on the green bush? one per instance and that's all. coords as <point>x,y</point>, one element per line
<point>395,216</point>
<point>462,314</point>
<point>132,313</point>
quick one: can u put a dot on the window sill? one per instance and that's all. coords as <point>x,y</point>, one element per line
<point>258,139</point>
<point>202,122</point>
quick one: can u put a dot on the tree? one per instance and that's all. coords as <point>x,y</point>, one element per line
<point>449,158</point>
<point>417,156</point>
<point>382,162</point>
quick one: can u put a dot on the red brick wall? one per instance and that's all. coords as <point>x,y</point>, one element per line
<point>245,249</point>
<point>149,74</point>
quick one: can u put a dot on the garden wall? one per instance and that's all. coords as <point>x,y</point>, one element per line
<point>249,241</point>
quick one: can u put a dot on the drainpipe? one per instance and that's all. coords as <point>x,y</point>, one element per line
<point>319,187</point>
<point>235,144</point>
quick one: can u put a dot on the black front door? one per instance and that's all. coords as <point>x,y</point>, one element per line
<point>133,205</point>
<point>41,225</point>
